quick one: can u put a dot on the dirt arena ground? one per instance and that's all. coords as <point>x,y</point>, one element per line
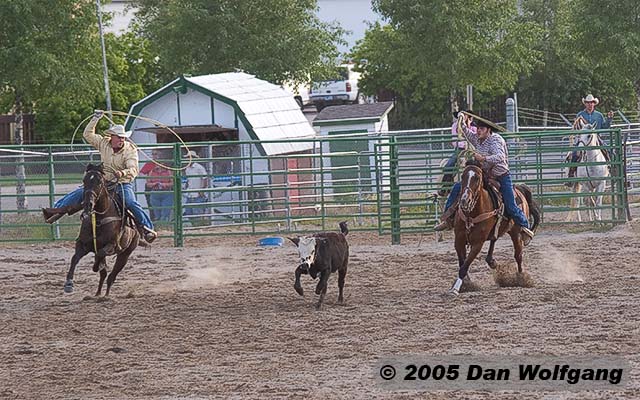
<point>220,318</point>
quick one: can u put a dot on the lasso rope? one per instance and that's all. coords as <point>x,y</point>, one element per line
<point>150,120</point>
<point>469,150</point>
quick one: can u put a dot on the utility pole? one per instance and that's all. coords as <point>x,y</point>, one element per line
<point>105,71</point>
<point>470,97</point>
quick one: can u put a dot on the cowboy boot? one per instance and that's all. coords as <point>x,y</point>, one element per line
<point>51,215</point>
<point>526,235</point>
<point>149,235</point>
<point>447,219</point>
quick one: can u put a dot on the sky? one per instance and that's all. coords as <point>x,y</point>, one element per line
<point>352,15</point>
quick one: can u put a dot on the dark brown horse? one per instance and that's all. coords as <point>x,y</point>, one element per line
<point>477,220</point>
<point>103,230</point>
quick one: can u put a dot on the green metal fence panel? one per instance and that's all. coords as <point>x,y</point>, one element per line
<point>385,184</point>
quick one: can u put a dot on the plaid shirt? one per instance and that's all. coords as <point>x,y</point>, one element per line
<point>494,148</point>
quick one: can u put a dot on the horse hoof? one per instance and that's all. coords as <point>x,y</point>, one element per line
<point>68,287</point>
<point>299,290</point>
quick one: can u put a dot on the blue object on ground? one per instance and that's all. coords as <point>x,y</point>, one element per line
<point>271,241</point>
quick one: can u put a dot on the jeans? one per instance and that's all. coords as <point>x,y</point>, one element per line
<point>162,204</point>
<point>194,210</point>
<point>75,198</point>
<point>511,209</point>
<point>451,162</point>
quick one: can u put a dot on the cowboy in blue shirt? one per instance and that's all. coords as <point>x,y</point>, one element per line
<point>597,120</point>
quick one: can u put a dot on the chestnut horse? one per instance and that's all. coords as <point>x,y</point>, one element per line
<point>103,230</point>
<point>477,218</point>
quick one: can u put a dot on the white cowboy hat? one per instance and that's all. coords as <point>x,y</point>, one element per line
<point>193,154</point>
<point>118,130</point>
<point>590,98</point>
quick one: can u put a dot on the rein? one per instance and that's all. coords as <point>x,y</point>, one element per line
<point>103,221</point>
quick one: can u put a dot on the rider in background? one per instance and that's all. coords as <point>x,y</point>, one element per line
<point>595,119</point>
<point>120,160</point>
<point>459,146</point>
<point>491,152</point>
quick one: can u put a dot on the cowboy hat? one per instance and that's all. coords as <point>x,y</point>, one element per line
<point>118,130</point>
<point>192,154</point>
<point>590,98</point>
<point>481,122</point>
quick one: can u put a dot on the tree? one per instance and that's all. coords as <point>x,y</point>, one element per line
<point>570,67</point>
<point>46,51</point>
<point>612,30</point>
<point>277,40</point>
<point>440,46</point>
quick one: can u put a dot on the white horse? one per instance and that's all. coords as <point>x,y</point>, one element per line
<point>597,175</point>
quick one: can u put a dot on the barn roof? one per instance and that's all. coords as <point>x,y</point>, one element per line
<point>267,111</point>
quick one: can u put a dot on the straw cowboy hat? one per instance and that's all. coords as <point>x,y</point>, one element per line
<point>192,154</point>
<point>480,122</point>
<point>590,98</point>
<point>118,130</point>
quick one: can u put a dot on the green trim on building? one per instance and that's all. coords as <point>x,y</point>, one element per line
<point>178,108</point>
<point>213,112</point>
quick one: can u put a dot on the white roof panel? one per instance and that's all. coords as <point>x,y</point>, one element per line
<point>270,110</point>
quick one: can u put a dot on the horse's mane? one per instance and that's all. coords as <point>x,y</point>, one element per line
<point>581,124</point>
<point>474,163</point>
<point>94,167</point>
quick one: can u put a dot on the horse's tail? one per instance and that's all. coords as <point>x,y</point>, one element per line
<point>534,208</point>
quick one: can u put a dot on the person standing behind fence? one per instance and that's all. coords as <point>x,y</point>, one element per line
<point>197,179</point>
<point>595,119</point>
<point>160,185</point>
<point>146,169</point>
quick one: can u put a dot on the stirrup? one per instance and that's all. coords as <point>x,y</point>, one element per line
<point>526,235</point>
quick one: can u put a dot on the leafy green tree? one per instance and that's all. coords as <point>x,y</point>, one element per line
<point>610,32</point>
<point>45,51</point>
<point>570,67</point>
<point>277,40</point>
<point>432,49</point>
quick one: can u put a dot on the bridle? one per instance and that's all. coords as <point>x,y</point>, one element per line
<point>588,143</point>
<point>470,205</point>
<point>472,194</point>
<point>92,195</point>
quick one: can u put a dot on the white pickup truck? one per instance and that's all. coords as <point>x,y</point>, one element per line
<point>343,90</point>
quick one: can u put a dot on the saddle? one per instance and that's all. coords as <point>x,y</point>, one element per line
<point>493,188</point>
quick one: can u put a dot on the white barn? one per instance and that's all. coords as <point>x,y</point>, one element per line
<point>231,106</point>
